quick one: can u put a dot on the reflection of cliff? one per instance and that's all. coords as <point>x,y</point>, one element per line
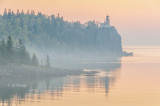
<point>110,71</point>
<point>103,82</point>
<point>23,89</point>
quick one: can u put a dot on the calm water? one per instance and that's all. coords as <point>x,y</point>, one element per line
<point>129,81</point>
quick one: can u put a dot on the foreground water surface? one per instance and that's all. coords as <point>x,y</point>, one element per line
<point>127,81</point>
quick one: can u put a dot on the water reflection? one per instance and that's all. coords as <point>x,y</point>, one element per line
<point>20,90</point>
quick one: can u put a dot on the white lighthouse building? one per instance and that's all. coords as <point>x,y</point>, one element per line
<point>106,23</point>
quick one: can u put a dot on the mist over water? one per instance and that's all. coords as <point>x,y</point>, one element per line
<point>103,72</point>
<point>48,58</point>
<point>133,79</point>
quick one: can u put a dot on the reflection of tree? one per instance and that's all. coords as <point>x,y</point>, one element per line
<point>21,90</point>
<point>56,85</point>
<point>104,81</point>
<point>8,92</point>
<point>100,82</point>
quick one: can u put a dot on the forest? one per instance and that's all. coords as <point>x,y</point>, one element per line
<point>17,54</point>
<point>52,33</point>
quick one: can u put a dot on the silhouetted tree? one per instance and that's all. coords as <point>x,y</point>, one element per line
<point>15,55</point>
<point>9,48</point>
<point>5,13</point>
<point>21,51</point>
<point>48,62</point>
<point>35,60</point>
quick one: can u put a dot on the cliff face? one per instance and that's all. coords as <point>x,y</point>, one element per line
<point>109,40</point>
<point>97,42</point>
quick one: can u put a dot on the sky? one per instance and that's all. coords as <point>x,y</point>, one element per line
<point>137,21</point>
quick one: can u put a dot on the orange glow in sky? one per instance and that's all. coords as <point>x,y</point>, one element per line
<point>134,19</point>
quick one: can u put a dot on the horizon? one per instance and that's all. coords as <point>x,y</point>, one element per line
<point>136,21</point>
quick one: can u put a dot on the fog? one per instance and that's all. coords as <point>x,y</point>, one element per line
<point>35,83</point>
<point>41,53</point>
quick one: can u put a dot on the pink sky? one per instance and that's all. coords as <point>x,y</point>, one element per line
<point>138,21</point>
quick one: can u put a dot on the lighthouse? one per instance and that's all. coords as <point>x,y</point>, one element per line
<point>106,23</point>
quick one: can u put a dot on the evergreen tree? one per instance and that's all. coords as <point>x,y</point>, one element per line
<point>15,55</point>
<point>18,13</point>
<point>5,13</point>
<point>3,47</point>
<point>21,51</point>
<point>27,58</point>
<point>9,48</point>
<point>9,43</point>
<point>48,62</point>
<point>35,60</point>
<point>3,52</point>
<point>9,14</point>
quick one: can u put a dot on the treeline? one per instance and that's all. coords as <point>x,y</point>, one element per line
<point>53,33</point>
<point>15,54</point>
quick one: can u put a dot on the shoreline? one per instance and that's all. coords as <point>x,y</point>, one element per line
<point>24,71</point>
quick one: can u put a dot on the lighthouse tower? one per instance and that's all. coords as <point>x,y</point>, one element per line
<point>107,21</point>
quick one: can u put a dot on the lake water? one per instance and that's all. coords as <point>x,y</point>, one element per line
<point>128,81</point>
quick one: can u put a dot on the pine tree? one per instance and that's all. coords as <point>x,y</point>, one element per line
<point>10,48</point>
<point>9,14</point>
<point>18,12</point>
<point>48,62</point>
<point>27,58</point>
<point>9,43</point>
<point>35,60</point>
<point>3,45</point>
<point>15,55</point>
<point>5,13</point>
<point>3,55</point>
<point>21,51</point>
<point>24,56</point>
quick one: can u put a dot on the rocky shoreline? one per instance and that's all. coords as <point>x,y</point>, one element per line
<point>24,71</point>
